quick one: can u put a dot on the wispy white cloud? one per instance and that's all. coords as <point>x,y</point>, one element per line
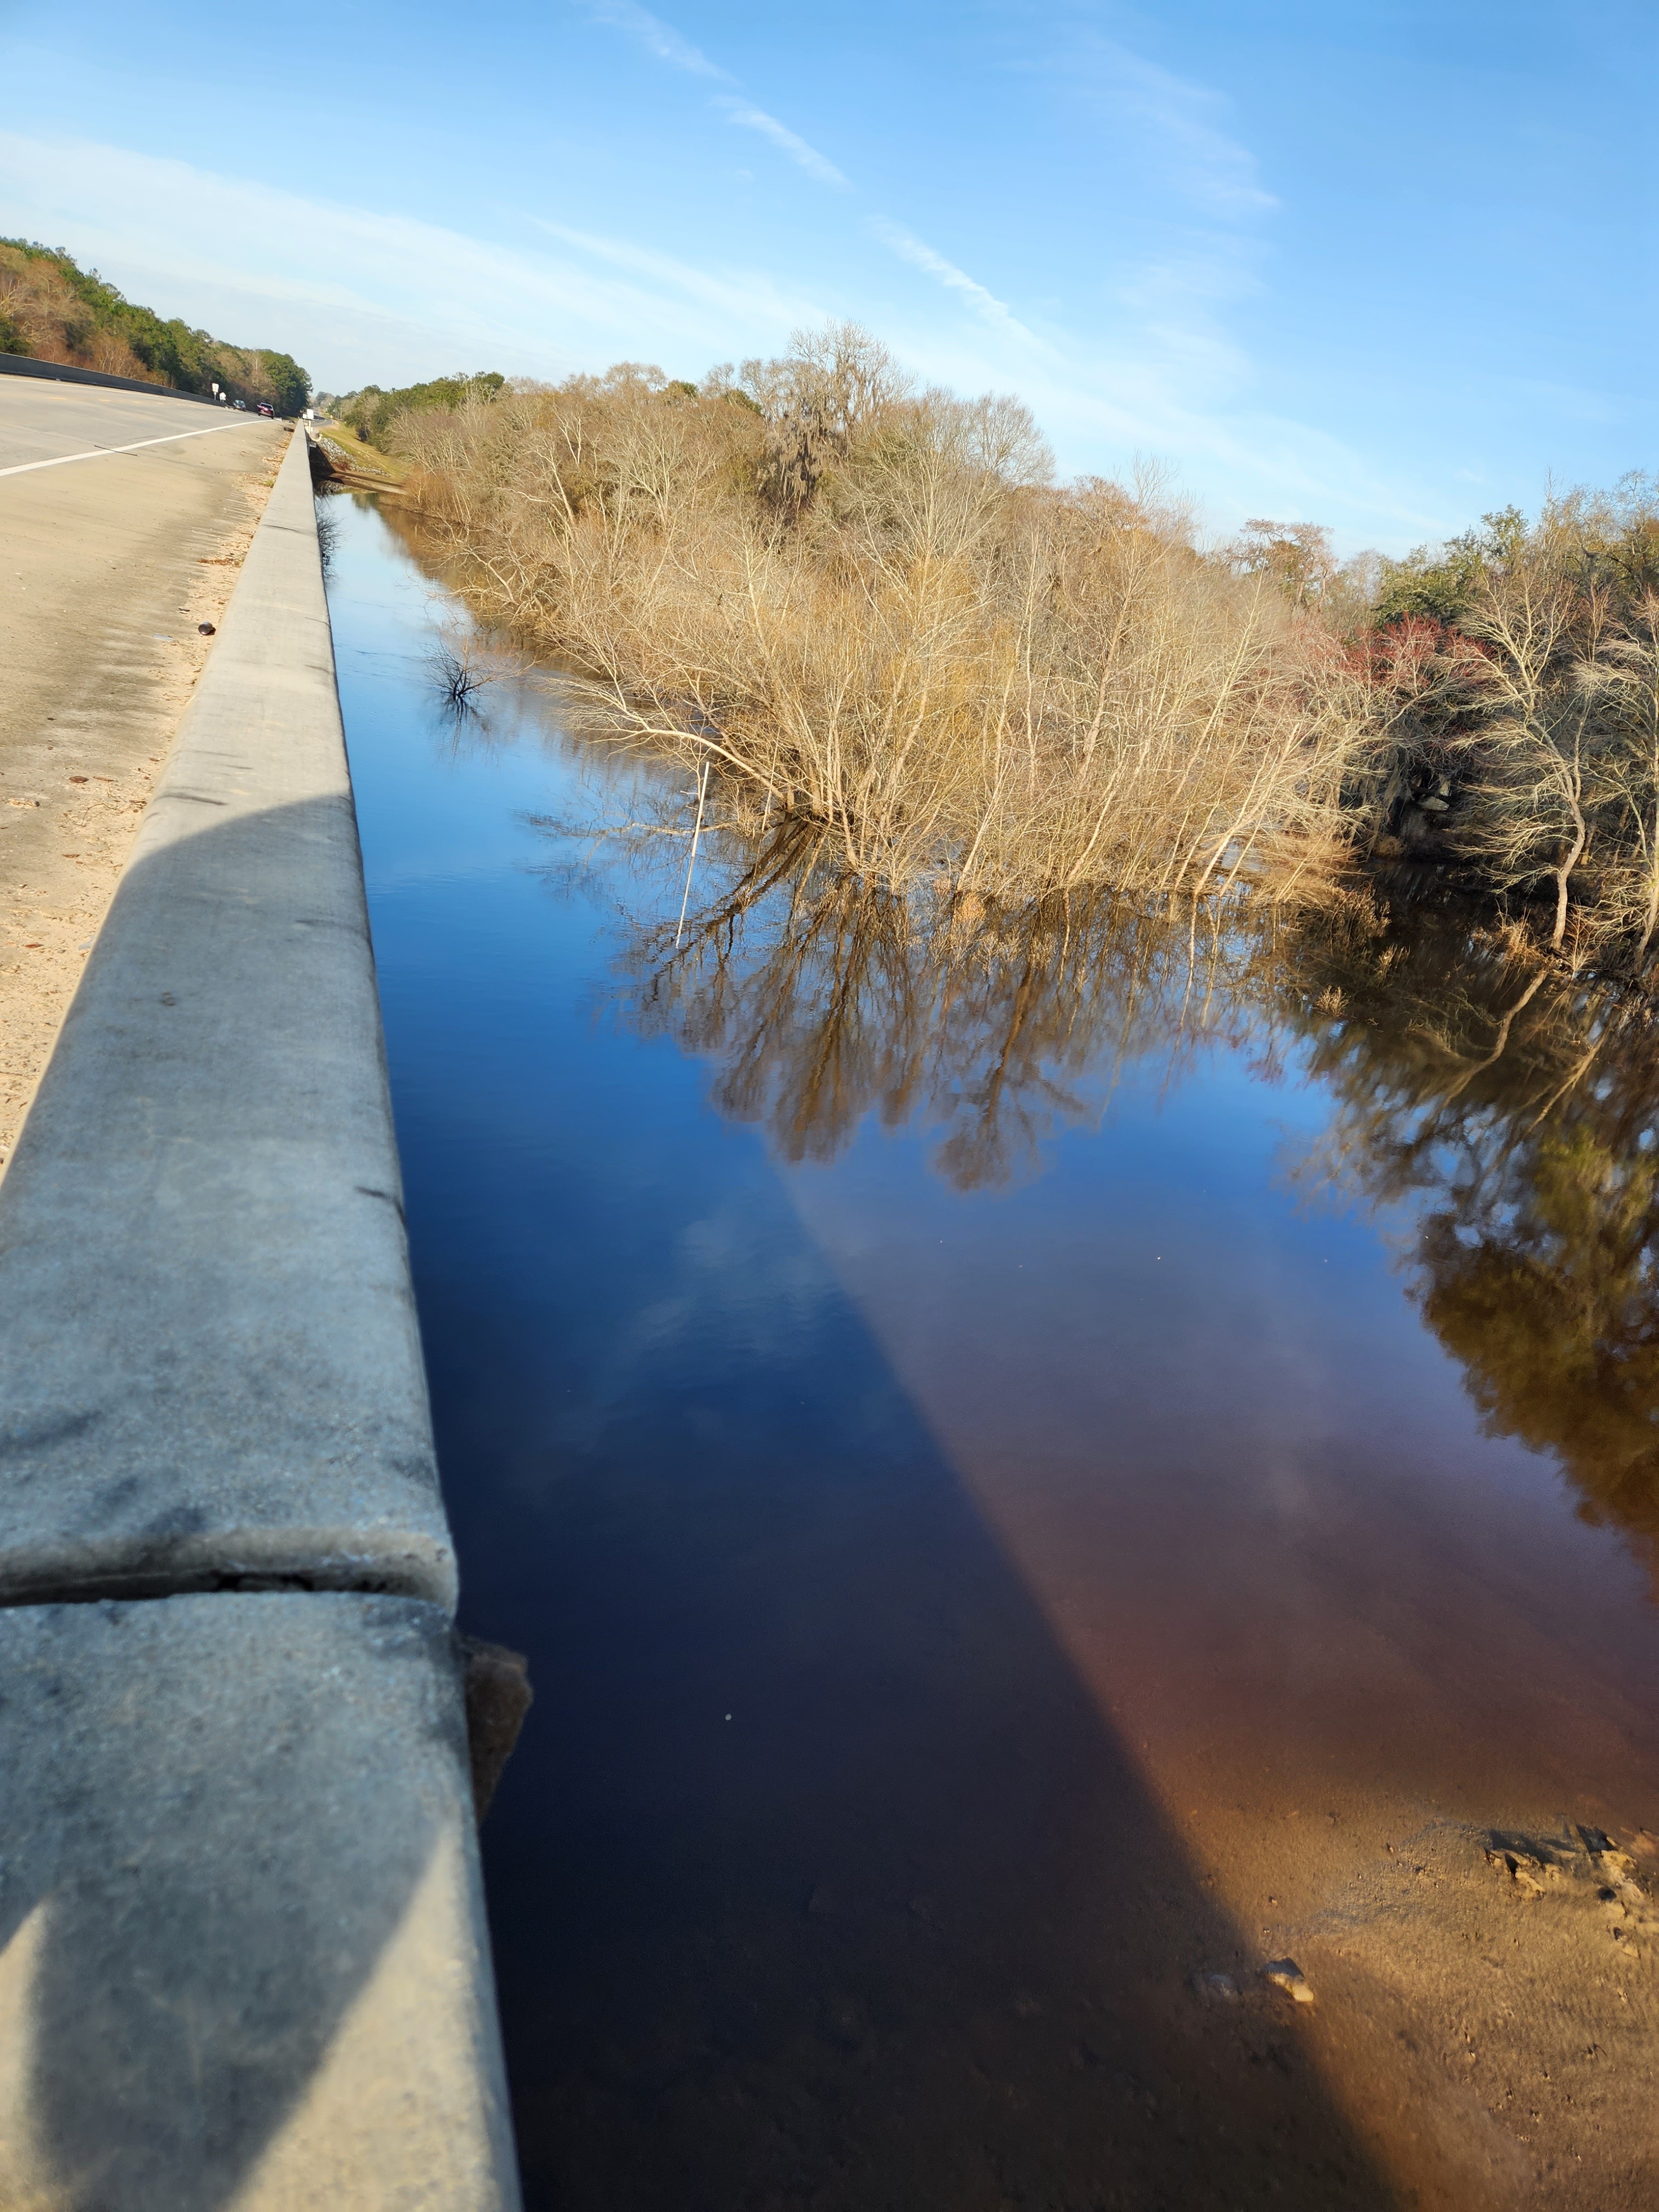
<point>1104,401</point>
<point>745,293</point>
<point>756,118</point>
<point>920,255</point>
<point>354,293</point>
<point>1247,459</point>
<point>1185,122</point>
<point>656,37</point>
<point>661,39</point>
<point>1172,306</point>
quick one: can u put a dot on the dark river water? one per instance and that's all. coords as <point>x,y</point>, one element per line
<point>1034,1472</point>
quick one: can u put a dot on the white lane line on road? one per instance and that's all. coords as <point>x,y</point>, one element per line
<point>97,453</point>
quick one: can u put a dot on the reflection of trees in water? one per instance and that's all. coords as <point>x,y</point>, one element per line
<point>1518,1106</point>
<point>823,999</point>
<point>1512,1107</point>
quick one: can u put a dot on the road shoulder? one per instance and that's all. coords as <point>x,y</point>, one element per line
<point>114,563</point>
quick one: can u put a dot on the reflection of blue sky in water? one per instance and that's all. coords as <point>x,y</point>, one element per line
<point>702,1414</point>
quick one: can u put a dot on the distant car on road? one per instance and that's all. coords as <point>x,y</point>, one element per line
<point>265,408</point>
<point>242,403</point>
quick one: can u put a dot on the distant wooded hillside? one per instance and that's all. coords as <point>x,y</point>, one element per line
<point>372,412</point>
<point>52,309</point>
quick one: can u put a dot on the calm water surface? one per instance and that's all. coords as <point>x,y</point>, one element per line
<point>996,1535</point>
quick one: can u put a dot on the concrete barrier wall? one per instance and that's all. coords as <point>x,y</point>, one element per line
<point>211,1371</point>
<point>57,372</point>
<point>245,1956</point>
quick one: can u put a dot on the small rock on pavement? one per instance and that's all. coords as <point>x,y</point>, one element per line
<point>206,628</point>
<point>1284,1974</point>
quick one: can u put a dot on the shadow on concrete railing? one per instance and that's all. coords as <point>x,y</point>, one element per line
<point>243,1955</point>
<point>211,1371</point>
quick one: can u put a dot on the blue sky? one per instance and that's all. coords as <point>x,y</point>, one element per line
<point>1378,266</point>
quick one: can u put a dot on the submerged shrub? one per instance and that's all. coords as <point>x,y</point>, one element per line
<point>868,605</point>
<point>1535,716</point>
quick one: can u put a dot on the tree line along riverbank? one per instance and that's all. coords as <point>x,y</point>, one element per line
<point>841,597</point>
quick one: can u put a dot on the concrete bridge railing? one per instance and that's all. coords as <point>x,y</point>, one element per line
<point>58,372</point>
<point>243,1954</point>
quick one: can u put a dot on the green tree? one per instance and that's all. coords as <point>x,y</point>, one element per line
<point>372,413</point>
<point>80,308</point>
<point>1438,583</point>
<point>290,386</point>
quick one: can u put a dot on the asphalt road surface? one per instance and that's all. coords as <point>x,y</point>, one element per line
<point>106,566</point>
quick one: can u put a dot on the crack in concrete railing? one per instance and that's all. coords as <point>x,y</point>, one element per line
<point>312,1560</point>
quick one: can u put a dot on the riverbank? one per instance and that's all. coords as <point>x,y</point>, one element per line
<point>118,563</point>
<point>831,594</point>
<point>342,455</point>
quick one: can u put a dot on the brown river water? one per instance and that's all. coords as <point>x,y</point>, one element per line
<point>1043,1467</point>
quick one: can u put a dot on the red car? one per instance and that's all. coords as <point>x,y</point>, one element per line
<point>265,408</point>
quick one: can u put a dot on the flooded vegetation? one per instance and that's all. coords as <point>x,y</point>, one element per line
<point>869,605</point>
<point>1076,1464</point>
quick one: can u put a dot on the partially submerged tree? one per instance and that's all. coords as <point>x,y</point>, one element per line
<point>1538,746</point>
<point>867,603</point>
<point>1533,716</point>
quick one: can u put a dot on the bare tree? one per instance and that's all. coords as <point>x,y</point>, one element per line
<point>869,606</point>
<point>1543,624</point>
